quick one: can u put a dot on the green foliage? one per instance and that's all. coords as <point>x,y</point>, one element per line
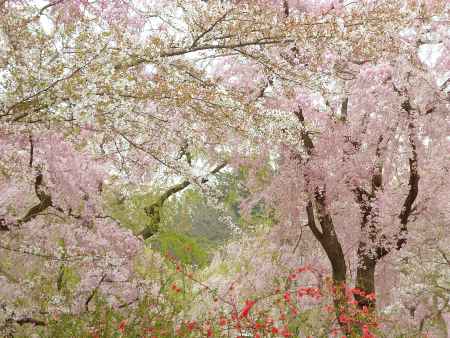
<point>127,206</point>
<point>192,214</point>
<point>189,228</point>
<point>187,249</point>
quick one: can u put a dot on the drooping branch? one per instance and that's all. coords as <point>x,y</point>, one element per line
<point>148,152</point>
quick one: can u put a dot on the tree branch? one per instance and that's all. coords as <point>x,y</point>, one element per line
<point>153,211</point>
<point>49,5</point>
<point>214,24</point>
<point>307,141</point>
<point>94,291</point>
<point>31,151</point>
<point>312,222</point>
<point>28,320</point>
<point>413,187</point>
<point>44,198</point>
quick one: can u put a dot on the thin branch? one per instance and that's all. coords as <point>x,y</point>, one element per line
<point>194,43</point>
<point>31,151</point>
<point>51,4</point>
<point>299,239</point>
<point>141,148</point>
<point>94,292</point>
<point>49,87</point>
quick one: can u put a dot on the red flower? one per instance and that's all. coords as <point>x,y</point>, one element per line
<point>312,292</point>
<point>366,332</point>
<point>353,302</point>
<point>191,325</point>
<point>357,291</point>
<point>344,319</point>
<point>287,297</point>
<point>303,269</point>
<point>274,330</point>
<point>248,305</point>
<point>286,333</point>
<point>293,276</point>
<point>370,296</point>
<point>328,308</point>
<point>294,311</point>
<point>222,321</point>
<point>122,326</point>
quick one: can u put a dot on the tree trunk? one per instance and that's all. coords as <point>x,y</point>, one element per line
<point>365,280</point>
<point>330,243</point>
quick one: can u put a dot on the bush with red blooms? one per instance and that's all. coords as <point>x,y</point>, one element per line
<point>280,314</point>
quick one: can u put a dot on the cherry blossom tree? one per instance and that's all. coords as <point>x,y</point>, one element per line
<point>338,110</point>
<point>354,136</point>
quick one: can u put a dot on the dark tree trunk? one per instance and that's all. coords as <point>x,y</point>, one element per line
<point>335,254</point>
<point>365,280</point>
